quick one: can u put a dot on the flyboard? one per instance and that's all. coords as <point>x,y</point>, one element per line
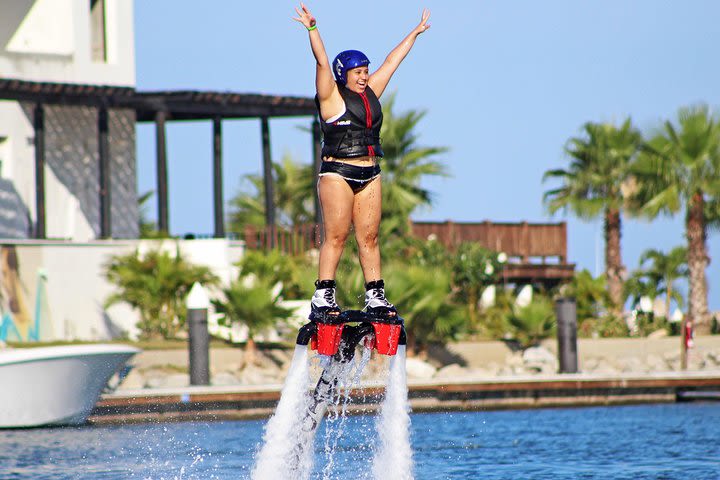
<point>338,337</point>
<point>288,448</point>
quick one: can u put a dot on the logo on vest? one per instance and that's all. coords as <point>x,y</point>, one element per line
<point>342,122</point>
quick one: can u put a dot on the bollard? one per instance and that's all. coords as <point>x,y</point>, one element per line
<point>199,339</point>
<point>566,313</point>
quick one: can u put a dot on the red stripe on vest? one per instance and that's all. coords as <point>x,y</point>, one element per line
<point>368,120</point>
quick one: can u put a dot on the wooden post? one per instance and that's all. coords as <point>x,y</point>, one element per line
<point>163,223</point>
<point>217,178</point>
<point>39,124</point>
<point>268,172</point>
<point>684,343</point>
<point>105,174</point>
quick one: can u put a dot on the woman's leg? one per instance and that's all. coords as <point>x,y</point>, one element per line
<point>336,202</point>
<point>366,220</point>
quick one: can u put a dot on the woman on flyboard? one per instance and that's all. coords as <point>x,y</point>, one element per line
<point>349,184</point>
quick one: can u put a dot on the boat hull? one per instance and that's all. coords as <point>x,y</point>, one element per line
<point>50,386</point>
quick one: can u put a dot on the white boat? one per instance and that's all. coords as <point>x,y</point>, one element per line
<point>48,386</point>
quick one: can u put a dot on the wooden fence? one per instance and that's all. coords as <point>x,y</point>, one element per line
<point>293,241</point>
<point>525,241</point>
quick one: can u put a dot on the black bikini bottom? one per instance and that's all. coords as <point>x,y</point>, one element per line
<point>355,176</point>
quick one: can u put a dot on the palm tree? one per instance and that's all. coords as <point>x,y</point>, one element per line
<point>680,169</point>
<point>156,284</point>
<point>423,296</point>
<point>294,191</point>
<point>591,299</point>
<point>664,270</point>
<point>593,185</point>
<point>532,323</point>
<point>474,268</point>
<point>404,165</point>
<point>255,304</point>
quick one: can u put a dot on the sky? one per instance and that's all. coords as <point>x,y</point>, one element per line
<point>504,84</point>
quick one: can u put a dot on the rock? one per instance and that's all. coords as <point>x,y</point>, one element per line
<point>712,358</point>
<point>418,369</point>
<point>224,378</point>
<point>590,365</point>
<point>252,375</point>
<point>538,354</point>
<point>452,371</point>
<point>662,333</point>
<point>514,360</point>
<point>671,356</point>
<point>165,380</point>
<point>656,363</point>
<point>604,368</point>
<point>632,365</point>
<point>695,362</point>
<point>134,380</point>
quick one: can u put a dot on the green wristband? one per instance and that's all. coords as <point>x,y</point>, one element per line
<point>314,27</point>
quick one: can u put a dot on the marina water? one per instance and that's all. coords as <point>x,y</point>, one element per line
<point>664,441</point>
<point>288,442</point>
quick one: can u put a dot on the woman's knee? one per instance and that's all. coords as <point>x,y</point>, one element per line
<point>335,240</point>
<point>368,240</point>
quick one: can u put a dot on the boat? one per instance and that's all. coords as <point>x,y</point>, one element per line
<point>56,386</point>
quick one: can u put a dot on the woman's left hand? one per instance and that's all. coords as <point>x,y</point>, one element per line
<point>423,25</point>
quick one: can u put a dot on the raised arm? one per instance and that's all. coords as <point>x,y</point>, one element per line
<point>381,77</point>
<point>324,81</point>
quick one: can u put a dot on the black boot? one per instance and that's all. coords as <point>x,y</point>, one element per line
<point>375,302</point>
<point>323,302</point>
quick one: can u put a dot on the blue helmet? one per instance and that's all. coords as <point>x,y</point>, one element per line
<point>348,60</point>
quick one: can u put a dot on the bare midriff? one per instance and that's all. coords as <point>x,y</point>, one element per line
<point>364,161</point>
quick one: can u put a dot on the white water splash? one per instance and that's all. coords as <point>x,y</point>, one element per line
<point>393,453</point>
<point>278,457</point>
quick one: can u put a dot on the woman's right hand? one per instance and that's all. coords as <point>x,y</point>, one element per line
<point>304,16</point>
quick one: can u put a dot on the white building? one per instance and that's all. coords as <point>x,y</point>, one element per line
<point>68,193</point>
<point>83,42</point>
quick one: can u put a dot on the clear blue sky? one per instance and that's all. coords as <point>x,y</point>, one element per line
<point>504,84</point>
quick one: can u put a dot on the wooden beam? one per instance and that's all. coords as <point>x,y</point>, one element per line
<point>162,176</point>
<point>218,178</point>
<point>105,175</point>
<point>39,125</point>
<point>267,172</point>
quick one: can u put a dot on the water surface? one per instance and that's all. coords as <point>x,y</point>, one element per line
<point>673,441</point>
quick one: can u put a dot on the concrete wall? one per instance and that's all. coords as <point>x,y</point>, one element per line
<point>56,290</point>
<point>51,41</point>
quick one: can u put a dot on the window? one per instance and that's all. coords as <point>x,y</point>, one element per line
<point>97,31</point>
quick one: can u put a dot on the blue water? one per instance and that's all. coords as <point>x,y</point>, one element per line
<point>673,441</point>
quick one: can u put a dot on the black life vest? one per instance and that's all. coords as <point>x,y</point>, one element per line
<point>357,132</point>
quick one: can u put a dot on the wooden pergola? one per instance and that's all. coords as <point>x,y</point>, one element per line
<point>160,108</point>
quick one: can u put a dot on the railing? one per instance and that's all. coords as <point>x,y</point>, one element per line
<point>293,241</point>
<point>524,241</point>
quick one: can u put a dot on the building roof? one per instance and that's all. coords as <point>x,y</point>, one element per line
<point>177,105</point>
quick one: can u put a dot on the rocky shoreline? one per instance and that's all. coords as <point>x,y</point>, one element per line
<point>157,369</point>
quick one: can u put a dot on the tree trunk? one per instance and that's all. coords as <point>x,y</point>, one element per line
<point>614,269</point>
<point>697,264</point>
<point>250,352</point>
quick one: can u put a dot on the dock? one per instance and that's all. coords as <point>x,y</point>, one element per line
<point>205,403</point>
